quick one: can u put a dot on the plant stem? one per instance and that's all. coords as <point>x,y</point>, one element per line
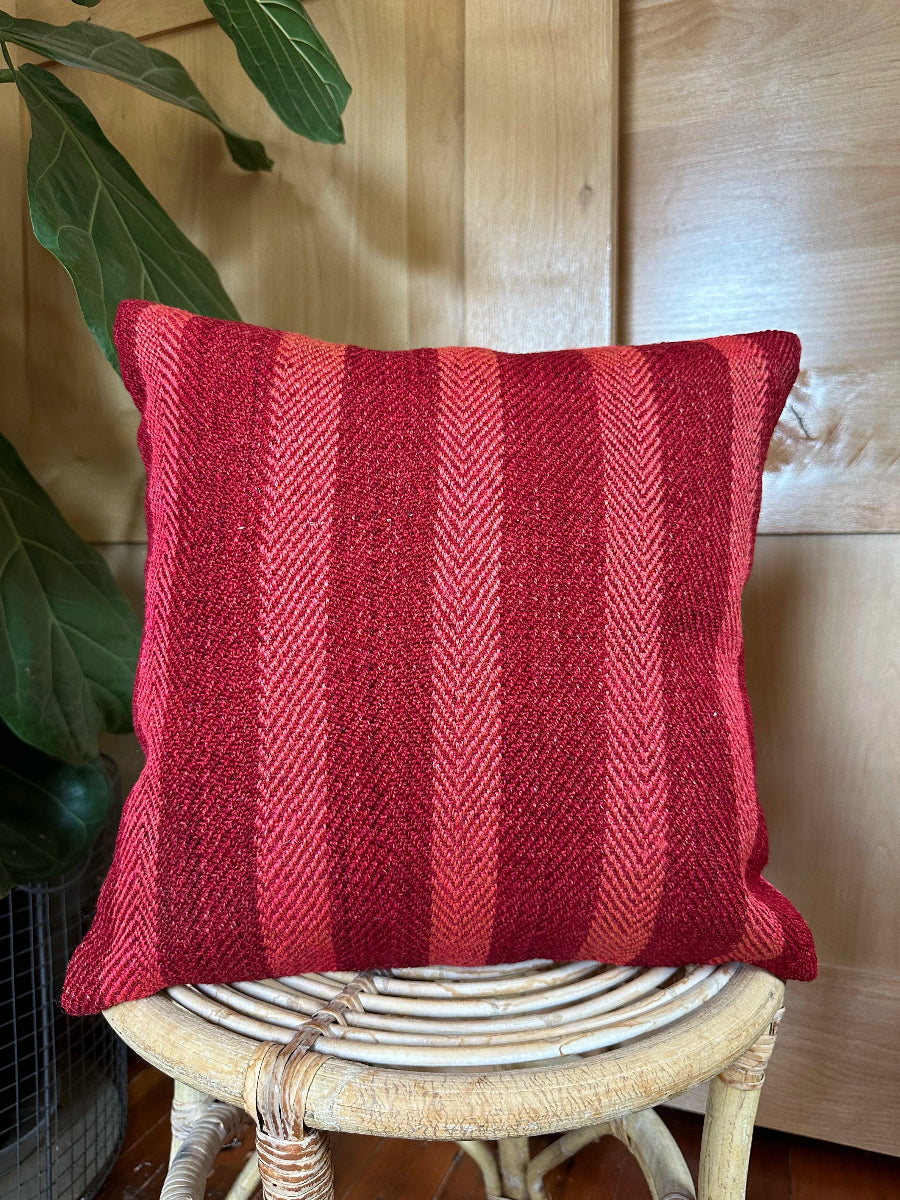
<point>10,75</point>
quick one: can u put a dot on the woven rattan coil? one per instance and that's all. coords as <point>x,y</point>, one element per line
<point>497,1016</point>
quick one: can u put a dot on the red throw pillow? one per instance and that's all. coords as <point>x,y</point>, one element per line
<point>443,659</point>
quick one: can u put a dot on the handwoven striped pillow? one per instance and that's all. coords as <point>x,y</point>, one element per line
<point>443,659</point>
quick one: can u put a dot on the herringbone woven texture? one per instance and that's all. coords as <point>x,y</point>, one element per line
<point>443,659</point>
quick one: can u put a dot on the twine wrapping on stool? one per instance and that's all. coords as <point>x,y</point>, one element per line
<point>298,1169</point>
<point>295,1162</point>
<point>748,1073</point>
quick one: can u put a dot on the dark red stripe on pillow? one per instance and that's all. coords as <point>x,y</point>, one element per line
<point>551,656</point>
<point>702,908</point>
<point>207,853</point>
<point>379,658</point>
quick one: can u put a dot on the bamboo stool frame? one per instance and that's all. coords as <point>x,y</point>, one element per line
<point>471,1055</point>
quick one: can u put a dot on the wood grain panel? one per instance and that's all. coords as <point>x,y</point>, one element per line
<point>320,245</point>
<point>435,126</point>
<point>824,446</point>
<point>821,619</point>
<point>835,1073</point>
<point>540,178</point>
<point>127,560</point>
<point>759,170</point>
<point>136,17</point>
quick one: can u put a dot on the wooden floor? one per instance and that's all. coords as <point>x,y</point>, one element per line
<point>368,1168</point>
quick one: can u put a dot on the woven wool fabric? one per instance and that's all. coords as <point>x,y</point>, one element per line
<point>443,659</point>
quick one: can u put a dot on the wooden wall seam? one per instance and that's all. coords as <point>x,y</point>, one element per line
<point>541,104</point>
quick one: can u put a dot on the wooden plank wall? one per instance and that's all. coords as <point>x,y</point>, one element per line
<point>476,201</point>
<point>540,120</point>
<point>758,188</point>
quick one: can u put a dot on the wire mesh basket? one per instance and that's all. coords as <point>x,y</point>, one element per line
<point>63,1087</point>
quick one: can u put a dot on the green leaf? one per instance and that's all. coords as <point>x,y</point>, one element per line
<point>68,637</point>
<point>50,812</point>
<point>111,52</point>
<point>91,211</point>
<point>282,52</point>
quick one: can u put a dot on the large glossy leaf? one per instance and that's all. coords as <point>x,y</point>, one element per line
<point>111,52</point>
<point>282,52</point>
<point>50,812</point>
<point>91,211</point>
<point>68,637</point>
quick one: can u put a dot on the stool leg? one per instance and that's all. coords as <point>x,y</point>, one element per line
<point>657,1153</point>
<point>190,1168</point>
<point>297,1168</point>
<point>728,1128</point>
<point>187,1106</point>
<point>487,1164</point>
<point>513,1155</point>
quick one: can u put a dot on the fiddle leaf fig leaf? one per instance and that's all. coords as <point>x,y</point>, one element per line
<point>68,637</point>
<point>50,812</point>
<point>93,213</point>
<point>111,52</point>
<point>283,54</point>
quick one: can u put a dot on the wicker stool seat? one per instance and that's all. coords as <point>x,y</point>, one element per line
<point>472,1055</point>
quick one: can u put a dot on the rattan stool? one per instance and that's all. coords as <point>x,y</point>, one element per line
<point>477,1055</point>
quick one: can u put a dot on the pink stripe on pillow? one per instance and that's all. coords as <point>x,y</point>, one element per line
<point>298,483</point>
<point>634,847</point>
<point>465,659</point>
